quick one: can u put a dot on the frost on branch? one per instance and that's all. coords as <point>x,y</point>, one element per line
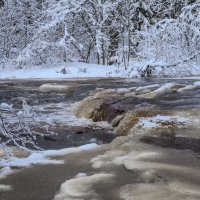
<point>15,128</point>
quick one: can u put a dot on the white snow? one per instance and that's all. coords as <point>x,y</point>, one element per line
<point>188,88</point>
<point>79,175</point>
<point>73,70</point>
<point>40,158</point>
<point>6,106</point>
<point>164,88</point>
<point>82,187</point>
<point>4,188</point>
<point>138,89</point>
<point>56,88</point>
<point>153,122</point>
<point>197,83</point>
<point>123,90</point>
<point>4,172</point>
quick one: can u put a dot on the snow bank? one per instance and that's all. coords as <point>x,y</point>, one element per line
<point>73,70</point>
<point>81,70</point>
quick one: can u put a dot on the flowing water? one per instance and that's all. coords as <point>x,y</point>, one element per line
<point>54,111</point>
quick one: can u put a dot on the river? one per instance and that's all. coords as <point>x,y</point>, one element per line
<point>42,182</point>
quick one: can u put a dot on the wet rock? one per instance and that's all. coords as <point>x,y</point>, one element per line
<point>131,118</point>
<point>115,122</point>
<point>112,108</point>
<point>91,107</point>
<point>64,89</point>
<point>109,105</point>
<point>63,70</point>
<point>86,107</point>
<point>94,92</point>
<point>119,141</point>
<point>50,137</point>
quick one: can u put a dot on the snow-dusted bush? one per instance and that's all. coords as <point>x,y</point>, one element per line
<point>174,44</point>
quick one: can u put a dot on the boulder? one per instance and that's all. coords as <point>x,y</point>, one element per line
<point>132,117</point>
<point>91,107</point>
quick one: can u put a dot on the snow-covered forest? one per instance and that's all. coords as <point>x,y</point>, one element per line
<point>158,34</point>
<point>99,99</point>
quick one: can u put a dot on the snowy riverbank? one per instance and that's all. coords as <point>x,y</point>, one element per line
<point>85,70</point>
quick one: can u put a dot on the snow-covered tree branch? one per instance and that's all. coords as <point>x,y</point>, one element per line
<point>15,128</point>
<point>100,31</point>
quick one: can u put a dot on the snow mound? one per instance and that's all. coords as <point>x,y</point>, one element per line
<point>81,188</point>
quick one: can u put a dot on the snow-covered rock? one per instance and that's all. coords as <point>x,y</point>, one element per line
<point>144,89</point>
<point>6,106</point>
<point>132,118</point>
<point>123,90</point>
<point>189,87</point>
<point>65,89</point>
<point>164,89</point>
